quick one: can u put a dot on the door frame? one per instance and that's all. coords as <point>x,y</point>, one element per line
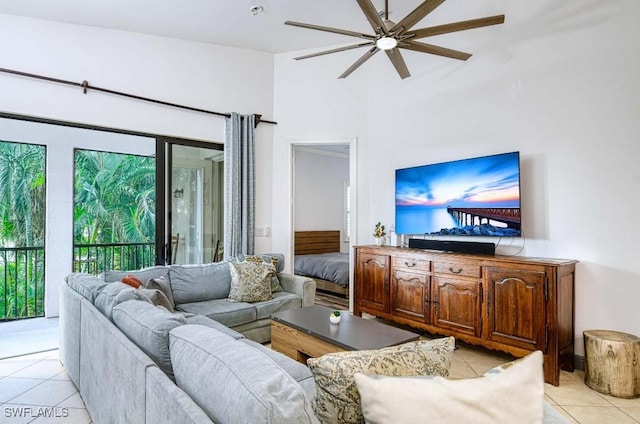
<point>352,142</point>
<point>164,164</point>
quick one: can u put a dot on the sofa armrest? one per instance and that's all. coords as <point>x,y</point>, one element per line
<point>304,287</point>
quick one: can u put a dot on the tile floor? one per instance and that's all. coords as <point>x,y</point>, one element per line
<point>36,389</point>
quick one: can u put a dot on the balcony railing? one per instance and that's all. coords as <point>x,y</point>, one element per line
<point>97,258</point>
<point>21,282</point>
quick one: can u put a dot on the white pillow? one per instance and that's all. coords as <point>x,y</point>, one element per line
<point>510,393</point>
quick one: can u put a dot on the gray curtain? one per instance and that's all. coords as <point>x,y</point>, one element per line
<point>239,180</point>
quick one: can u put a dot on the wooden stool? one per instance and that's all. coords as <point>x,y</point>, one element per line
<point>612,363</point>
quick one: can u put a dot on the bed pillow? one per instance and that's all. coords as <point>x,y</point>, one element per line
<point>250,281</point>
<point>510,393</point>
<point>337,399</point>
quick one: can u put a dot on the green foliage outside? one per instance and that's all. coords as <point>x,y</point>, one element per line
<point>22,212</point>
<point>114,204</point>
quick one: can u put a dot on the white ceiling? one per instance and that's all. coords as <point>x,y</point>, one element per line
<point>231,23</point>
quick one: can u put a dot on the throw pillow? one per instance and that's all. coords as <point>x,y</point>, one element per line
<point>132,280</point>
<point>510,393</point>
<point>162,284</point>
<point>158,298</point>
<point>264,259</point>
<point>250,281</point>
<point>337,398</point>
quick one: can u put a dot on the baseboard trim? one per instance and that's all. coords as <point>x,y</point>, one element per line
<point>578,362</point>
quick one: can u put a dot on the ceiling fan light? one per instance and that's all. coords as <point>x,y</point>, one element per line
<point>386,43</point>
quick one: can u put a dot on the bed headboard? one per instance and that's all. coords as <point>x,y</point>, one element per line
<point>309,242</point>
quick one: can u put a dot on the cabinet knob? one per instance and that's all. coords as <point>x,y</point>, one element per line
<point>410,265</point>
<point>453,271</point>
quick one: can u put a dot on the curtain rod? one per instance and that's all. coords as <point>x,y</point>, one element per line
<point>85,87</point>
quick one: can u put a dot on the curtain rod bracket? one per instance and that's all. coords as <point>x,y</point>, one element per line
<point>257,117</point>
<point>85,86</point>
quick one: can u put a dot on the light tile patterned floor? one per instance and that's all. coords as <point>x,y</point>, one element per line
<point>36,389</point>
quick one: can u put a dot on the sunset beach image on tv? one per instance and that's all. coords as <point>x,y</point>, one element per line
<point>474,197</point>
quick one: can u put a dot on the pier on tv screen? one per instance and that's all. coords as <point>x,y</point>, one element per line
<point>475,197</point>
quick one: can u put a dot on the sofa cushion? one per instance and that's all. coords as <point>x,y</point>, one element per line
<point>281,301</point>
<point>85,284</point>
<point>248,385</point>
<point>208,322</point>
<point>142,275</point>
<point>251,281</point>
<point>162,284</point>
<point>148,327</point>
<point>337,397</point>
<point>196,283</point>
<point>510,393</point>
<point>230,314</point>
<point>295,369</point>
<point>109,297</point>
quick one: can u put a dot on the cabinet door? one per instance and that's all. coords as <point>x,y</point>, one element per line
<point>410,294</point>
<point>515,307</point>
<point>457,305</point>
<point>373,281</point>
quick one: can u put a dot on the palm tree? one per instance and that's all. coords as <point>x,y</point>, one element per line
<point>22,215</point>
<point>115,198</point>
<point>22,194</point>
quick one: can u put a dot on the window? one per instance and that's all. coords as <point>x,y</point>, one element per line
<point>22,233</point>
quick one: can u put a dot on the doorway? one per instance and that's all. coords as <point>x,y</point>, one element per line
<point>194,187</point>
<point>323,195</point>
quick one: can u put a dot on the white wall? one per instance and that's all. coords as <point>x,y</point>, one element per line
<point>558,82</point>
<point>320,181</point>
<point>194,74</point>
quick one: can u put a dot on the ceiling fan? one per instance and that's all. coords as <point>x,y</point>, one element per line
<point>390,36</point>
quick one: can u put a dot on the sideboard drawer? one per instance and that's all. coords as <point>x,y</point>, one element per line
<point>410,263</point>
<point>463,269</point>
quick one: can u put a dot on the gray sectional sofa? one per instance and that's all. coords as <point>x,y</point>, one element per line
<point>136,363</point>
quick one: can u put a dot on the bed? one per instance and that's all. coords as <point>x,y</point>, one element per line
<point>318,256</point>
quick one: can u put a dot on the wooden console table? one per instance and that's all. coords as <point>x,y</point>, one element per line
<point>507,303</point>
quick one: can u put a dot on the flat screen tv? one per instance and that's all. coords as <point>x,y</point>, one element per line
<point>470,197</point>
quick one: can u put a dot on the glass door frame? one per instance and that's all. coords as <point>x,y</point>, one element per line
<point>164,166</point>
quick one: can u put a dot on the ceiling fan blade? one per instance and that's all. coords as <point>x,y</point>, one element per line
<point>339,49</point>
<point>359,62</point>
<point>456,26</point>
<point>332,30</point>
<point>371,13</point>
<point>430,48</point>
<point>398,62</point>
<point>416,15</point>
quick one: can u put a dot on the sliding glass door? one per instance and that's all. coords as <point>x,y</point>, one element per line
<point>193,218</point>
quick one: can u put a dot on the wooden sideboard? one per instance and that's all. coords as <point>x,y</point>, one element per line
<point>509,303</point>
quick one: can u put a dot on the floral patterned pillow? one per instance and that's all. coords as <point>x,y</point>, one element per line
<point>275,282</point>
<point>337,399</point>
<point>250,281</point>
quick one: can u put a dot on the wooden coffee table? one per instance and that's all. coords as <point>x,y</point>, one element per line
<point>307,333</point>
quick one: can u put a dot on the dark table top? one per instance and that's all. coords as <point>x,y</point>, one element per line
<point>352,333</point>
